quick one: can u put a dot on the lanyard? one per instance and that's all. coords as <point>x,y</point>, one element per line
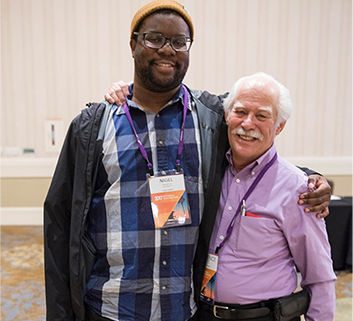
<point>247,194</point>
<point>181,139</point>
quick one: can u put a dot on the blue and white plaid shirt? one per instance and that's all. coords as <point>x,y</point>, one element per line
<point>144,273</point>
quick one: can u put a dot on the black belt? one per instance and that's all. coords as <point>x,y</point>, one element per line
<point>237,311</point>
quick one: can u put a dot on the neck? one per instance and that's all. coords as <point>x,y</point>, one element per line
<point>153,101</point>
<point>239,163</point>
<point>238,168</point>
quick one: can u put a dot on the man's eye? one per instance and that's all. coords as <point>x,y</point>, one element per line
<point>154,39</point>
<point>262,117</point>
<point>240,112</point>
<point>179,42</point>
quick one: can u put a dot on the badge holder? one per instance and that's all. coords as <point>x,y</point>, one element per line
<point>169,202</point>
<point>209,279</point>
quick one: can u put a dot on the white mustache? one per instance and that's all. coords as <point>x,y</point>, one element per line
<point>250,133</point>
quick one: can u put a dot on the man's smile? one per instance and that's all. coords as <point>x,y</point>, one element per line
<point>164,66</point>
<point>164,63</point>
<point>247,138</point>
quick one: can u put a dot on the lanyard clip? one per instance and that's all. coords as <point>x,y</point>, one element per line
<point>178,164</point>
<point>243,209</point>
<point>150,168</point>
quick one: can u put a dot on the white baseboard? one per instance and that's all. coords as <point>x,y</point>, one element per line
<point>21,215</point>
<point>27,167</point>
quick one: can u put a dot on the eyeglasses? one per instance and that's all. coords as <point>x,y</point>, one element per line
<point>155,40</point>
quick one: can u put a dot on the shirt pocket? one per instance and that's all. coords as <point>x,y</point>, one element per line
<point>254,239</point>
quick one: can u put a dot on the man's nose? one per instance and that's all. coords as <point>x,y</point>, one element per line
<point>167,48</point>
<point>248,122</point>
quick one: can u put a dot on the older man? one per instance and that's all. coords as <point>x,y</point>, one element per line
<point>261,234</point>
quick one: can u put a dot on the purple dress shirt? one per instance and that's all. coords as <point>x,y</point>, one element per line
<point>258,260</point>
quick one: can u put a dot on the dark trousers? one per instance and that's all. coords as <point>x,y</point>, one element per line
<point>93,316</point>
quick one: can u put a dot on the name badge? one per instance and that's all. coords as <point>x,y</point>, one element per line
<point>169,201</point>
<point>209,279</point>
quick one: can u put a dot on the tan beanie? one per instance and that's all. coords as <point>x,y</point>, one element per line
<point>157,5</point>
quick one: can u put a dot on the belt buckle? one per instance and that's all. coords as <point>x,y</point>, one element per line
<point>215,307</point>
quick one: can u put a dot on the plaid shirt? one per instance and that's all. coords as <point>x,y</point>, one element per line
<point>144,273</point>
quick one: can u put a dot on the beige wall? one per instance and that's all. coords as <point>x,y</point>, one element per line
<point>59,54</point>
<point>342,184</point>
<point>56,55</point>
<point>24,192</point>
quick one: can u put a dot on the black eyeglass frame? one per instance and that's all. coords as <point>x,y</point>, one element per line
<point>188,40</point>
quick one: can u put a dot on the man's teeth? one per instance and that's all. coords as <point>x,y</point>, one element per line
<point>164,64</point>
<point>247,137</point>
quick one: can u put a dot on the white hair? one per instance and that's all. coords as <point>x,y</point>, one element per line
<point>284,105</point>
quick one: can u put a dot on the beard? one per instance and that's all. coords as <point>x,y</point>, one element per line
<point>160,84</point>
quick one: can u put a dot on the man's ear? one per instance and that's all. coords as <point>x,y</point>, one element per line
<point>132,47</point>
<point>280,127</point>
<point>226,117</point>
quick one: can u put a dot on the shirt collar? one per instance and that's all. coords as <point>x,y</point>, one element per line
<point>179,96</point>
<point>256,166</point>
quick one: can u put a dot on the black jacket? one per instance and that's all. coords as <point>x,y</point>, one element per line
<point>68,253</point>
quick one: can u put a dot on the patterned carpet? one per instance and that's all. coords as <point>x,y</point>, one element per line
<point>22,280</point>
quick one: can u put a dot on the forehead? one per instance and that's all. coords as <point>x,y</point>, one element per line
<point>165,22</point>
<point>263,94</point>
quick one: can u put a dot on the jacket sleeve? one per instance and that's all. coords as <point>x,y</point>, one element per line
<point>57,219</point>
<point>214,143</point>
<point>308,171</point>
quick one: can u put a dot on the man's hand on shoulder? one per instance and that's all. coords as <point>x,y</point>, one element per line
<point>318,196</point>
<point>117,92</point>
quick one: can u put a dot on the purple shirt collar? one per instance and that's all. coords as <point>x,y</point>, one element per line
<point>256,166</point>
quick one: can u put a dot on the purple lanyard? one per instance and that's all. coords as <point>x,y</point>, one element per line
<point>247,194</point>
<point>181,139</point>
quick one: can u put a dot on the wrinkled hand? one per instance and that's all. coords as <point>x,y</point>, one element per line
<point>319,196</point>
<point>117,92</point>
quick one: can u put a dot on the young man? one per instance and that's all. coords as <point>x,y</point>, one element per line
<point>142,268</point>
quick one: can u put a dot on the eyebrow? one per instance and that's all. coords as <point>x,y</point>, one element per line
<point>266,109</point>
<point>238,104</point>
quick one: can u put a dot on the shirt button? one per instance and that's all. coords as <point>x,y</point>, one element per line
<point>237,180</point>
<point>221,237</point>
<point>252,173</point>
<point>230,208</point>
<point>160,142</point>
<point>165,232</point>
<point>164,262</point>
<point>157,115</point>
<point>164,287</point>
<point>163,173</point>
